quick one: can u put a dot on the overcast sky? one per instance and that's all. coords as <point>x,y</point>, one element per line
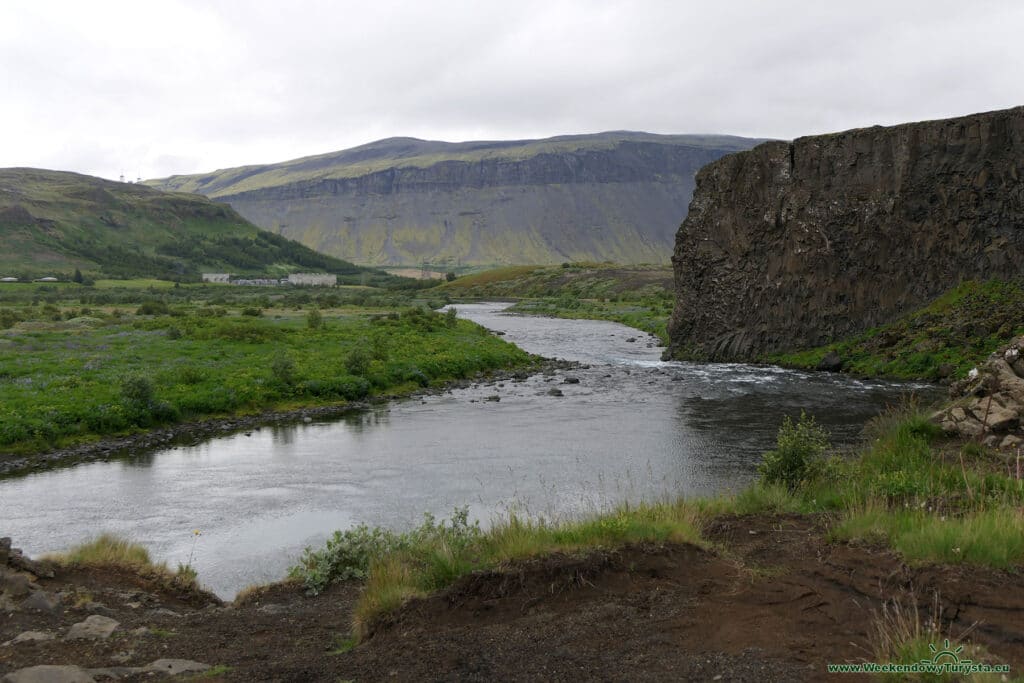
<point>153,87</point>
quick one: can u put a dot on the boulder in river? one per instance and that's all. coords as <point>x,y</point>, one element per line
<point>831,362</point>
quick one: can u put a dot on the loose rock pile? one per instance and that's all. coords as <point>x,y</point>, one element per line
<point>20,592</point>
<point>988,406</point>
<point>18,574</point>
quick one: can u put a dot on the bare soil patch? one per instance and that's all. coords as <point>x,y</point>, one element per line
<point>776,601</point>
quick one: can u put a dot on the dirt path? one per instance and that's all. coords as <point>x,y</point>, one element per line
<point>778,603</point>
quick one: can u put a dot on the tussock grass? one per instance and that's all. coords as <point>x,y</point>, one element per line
<point>901,635</point>
<point>105,551</point>
<point>516,538</point>
<point>108,551</point>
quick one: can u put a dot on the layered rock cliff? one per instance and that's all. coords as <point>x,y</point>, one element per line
<point>794,245</point>
<point>611,196</point>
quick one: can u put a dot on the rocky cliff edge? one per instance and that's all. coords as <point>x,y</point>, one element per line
<point>794,245</point>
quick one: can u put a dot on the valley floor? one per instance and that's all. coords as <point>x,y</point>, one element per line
<point>774,601</point>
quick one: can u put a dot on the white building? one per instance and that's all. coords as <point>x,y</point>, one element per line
<point>312,279</point>
<point>216,277</point>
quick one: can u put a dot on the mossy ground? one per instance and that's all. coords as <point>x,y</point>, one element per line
<point>945,339</point>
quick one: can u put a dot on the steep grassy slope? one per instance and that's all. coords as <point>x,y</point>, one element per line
<point>53,222</point>
<point>944,339</point>
<point>612,196</point>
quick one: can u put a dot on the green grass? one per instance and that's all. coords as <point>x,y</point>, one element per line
<point>397,567</point>
<point>900,635</point>
<point>990,538</point>
<point>947,338</point>
<point>110,371</point>
<point>135,283</point>
<point>436,561</point>
<point>106,550</point>
<point>111,552</point>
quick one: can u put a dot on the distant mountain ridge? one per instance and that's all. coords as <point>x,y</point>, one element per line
<point>608,196</point>
<point>52,222</point>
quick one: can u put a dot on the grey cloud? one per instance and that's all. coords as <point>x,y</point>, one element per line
<point>188,85</point>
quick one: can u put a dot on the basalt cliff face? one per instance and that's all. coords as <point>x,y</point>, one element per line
<point>794,245</point>
<point>611,196</point>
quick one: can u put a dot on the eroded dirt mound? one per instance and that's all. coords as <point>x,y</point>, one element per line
<point>775,601</point>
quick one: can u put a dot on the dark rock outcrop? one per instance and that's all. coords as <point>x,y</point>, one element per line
<point>794,245</point>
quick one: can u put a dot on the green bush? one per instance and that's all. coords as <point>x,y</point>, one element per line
<point>137,390</point>
<point>283,369</point>
<point>314,320</point>
<point>348,554</point>
<point>799,453</point>
<point>153,308</point>
<point>358,361</point>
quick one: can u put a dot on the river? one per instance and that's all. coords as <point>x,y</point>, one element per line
<point>633,428</point>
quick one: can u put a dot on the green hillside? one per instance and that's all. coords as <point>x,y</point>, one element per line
<point>615,196</point>
<point>53,222</point>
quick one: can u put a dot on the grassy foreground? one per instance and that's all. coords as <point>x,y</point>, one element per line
<point>111,362</point>
<point>929,499</point>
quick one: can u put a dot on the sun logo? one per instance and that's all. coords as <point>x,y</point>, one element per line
<point>947,653</point>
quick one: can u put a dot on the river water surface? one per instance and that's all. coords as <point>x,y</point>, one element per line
<point>632,428</point>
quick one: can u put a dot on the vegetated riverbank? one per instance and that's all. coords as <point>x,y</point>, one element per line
<point>194,431</point>
<point>638,296</point>
<point>823,561</point>
<point>941,341</point>
<point>103,366</point>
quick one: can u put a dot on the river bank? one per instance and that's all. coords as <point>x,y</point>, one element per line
<point>851,561</point>
<point>196,431</point>
<point>773,599</point>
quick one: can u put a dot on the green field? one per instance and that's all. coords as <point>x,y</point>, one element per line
<point>77,363</point>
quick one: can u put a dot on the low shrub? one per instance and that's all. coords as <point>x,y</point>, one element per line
<point>799,451</point>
